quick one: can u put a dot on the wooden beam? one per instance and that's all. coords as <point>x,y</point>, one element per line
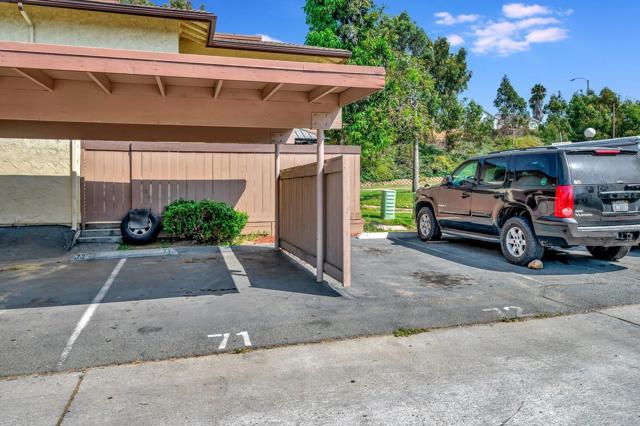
<point>320,92</point>
<point>354,94</point>
<point>38,77</point>
<point>270,90</point>
<point>195,29</point>
<point>112,61</point>
<point>161,86</point>
<point>101,80</point>
<point>195,36</point>
<point>217,88</point>
<point>75,102</point>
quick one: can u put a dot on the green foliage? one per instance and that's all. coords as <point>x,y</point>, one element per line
<point>171,4</point>
<point>536,101</point>
<point>423,82</point>
<point>406,332</point>
<point>512,109</point>
<point>204,221</point>
<point>138,2</point>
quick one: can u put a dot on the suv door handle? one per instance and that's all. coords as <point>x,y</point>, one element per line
<point>466,195</point>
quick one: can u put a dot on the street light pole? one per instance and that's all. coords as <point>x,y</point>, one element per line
<point>582,78</point>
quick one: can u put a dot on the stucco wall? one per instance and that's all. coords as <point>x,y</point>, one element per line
<point>35,182</point>
<point>91,29</point>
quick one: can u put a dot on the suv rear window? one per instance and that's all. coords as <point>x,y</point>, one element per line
<point>590,169</point>
<point>534,170</point>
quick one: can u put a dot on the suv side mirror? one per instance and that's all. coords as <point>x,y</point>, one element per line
<point>448,180</point>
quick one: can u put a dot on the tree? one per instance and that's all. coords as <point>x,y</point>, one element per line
<point>512,109</point>
<point>557,127</point>
<point>411,94</point>
<point>536,101</point>
<point>389,135</point>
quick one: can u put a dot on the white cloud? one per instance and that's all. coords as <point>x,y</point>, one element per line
<point>455,40</point>
<point>506,37</point>
<point>268,38</point>
<point>547,35</point>
<point>521,10</point>
<point>445,18</point>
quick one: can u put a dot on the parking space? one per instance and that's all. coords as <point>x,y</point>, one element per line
<point>76,314</point>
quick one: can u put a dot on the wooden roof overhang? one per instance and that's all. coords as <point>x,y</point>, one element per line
<point>69,84</point>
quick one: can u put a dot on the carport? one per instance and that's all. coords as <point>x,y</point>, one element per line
<point>107,94</point>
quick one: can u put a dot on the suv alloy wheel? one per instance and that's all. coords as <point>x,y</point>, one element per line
<point>428,228</point>
<point>518,241</point>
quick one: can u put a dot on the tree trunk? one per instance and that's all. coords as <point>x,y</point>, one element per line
<point>416,165</point>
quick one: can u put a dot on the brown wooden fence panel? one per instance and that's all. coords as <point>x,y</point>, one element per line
<point>162,172</point>
<point>298,216</point>
<point>337,235</point>
<point>106,188</point>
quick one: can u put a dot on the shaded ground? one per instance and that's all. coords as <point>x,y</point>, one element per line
<point>165,307</point>
<point>34,242</point>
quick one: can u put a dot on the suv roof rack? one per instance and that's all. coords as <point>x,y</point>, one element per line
<point>631,140</point>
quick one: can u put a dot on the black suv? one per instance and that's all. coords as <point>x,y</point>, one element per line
<point>581,194</point>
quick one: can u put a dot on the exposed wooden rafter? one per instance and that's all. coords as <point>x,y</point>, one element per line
<point>320,92</point>
<point>102,81</point>
<point>217,88</point>
<point>161,86</point>
<point>270,90</point>
<point>38,77</point>
<point>193,35</point>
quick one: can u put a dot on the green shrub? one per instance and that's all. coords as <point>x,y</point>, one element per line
<point>204,221</point>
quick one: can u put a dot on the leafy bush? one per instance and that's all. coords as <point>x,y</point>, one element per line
<point>204,221</point>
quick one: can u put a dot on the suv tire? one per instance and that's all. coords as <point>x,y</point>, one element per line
<point>428,228</point>
<point>608,253</point>
<point>140,235</point>
<point>519,243</point>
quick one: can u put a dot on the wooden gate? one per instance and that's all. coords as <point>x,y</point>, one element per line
<point>298,216</point>
<point>106,183</point>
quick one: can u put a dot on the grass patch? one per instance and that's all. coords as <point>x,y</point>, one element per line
<point>123,246</point>
<point>406,332</point>
<point>373,197</point>
<point>250,238</point>
<point>239,351</point>
<point>402,218</point>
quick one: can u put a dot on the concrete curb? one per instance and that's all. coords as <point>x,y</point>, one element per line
<point>386,235</point>
<point>122,254</point>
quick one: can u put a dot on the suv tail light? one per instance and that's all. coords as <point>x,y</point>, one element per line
<point>607,151</point>
<point>564,201</point>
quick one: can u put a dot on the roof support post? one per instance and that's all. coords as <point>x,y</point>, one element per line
<point>276,223</point>
<point>320,208</point>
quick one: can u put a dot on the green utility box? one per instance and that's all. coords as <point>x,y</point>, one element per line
<point>388,205</point>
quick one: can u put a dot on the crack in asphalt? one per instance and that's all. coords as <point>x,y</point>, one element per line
<point>67,406</point>
<point>513,415</point>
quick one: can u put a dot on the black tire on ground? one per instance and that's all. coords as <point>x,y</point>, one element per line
<point>518,241</point>
<point>140,236</point>
<point>609,253</point>
<point>428,228</point>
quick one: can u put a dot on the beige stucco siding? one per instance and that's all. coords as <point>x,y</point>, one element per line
<point>35,182</point>
<point>90,29</point>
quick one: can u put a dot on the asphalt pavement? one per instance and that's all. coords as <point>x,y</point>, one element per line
<point>571,370</point>
<point>71,315</point>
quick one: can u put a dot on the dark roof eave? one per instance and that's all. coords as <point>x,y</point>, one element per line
<point>280,48</point>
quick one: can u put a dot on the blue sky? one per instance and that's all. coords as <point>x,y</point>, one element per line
<point>546,42</point>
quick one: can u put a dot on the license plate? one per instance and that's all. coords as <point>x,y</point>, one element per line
<point>620,206</point>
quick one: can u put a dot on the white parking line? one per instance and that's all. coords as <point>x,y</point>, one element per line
<point>86,317</point>
<point>238,274</point>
